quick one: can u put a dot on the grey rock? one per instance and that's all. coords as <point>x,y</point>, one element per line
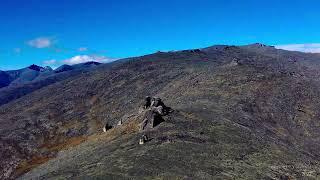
<point>154,113</point>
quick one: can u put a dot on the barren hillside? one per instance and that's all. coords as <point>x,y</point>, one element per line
<point>248,112</point>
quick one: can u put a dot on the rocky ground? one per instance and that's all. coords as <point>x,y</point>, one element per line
<point>246,112</point>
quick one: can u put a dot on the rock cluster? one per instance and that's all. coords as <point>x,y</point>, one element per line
<point>155,109</point>
<point>192,51</point>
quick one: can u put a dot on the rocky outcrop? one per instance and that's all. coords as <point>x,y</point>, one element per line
<point>155,109</point>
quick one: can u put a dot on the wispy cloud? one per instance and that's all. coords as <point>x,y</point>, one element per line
<point>17,50</point>
<point>81,49</point>
<point>41,42</point>
<point>87,58</point>
<point>50,62</point>
<point>311,48</point>
<point>78,59</point>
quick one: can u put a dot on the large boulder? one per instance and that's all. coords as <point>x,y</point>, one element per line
<point>155,109</point>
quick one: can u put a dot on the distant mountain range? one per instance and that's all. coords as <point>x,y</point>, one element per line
<point>34,73</point>
<point>17,83</point>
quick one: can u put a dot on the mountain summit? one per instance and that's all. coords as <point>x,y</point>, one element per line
<point>36,68</point>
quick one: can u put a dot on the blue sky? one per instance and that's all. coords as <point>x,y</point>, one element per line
<point>53,32</point>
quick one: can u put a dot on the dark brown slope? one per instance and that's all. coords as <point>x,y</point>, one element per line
<point>238,114</point>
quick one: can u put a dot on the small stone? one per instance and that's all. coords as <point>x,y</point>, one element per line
<point>143,139</point>
<point>106,127</point>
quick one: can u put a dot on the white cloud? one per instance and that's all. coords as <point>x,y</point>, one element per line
<point>87,58</point>
<point>40,42</point>
<point>311,48</point>
<point>50,62</point>
<point>81,49</point>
